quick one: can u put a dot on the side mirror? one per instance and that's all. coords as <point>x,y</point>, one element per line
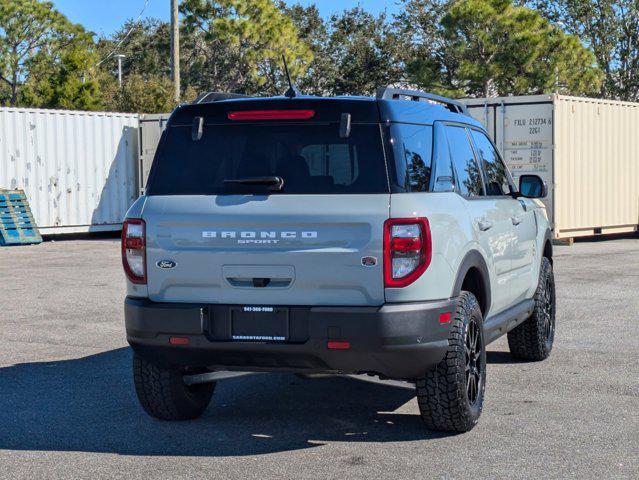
<point>532,186</point>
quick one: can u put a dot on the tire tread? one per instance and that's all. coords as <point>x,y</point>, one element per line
<point>441,393</point>
<point>526,341</point>
<point>162,393</point>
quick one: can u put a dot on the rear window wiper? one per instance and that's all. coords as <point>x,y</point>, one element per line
<point>274,183</point>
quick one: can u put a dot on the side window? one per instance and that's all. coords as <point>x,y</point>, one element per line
<point>497,178</point>
<point>468,174</point>
<point>444,180</point>
<point>413,148</point>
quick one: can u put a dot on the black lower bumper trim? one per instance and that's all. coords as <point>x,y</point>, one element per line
<point>393,341</point>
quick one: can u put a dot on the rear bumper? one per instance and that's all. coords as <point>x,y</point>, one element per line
<point>395,340</point>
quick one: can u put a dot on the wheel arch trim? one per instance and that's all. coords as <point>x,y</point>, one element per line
<point>474,259</point>
<point>547,241</point>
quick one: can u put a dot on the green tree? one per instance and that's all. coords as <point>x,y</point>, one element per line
<point>31,31</point>
<point>148,94</point>
<point>354,51</point>
<point>429,62</point>
<point>313,30</point>
<point>611,29</point>
<point>493,47</point>
<point>240,44</point>
<point>365,51</point>
<point>146,45</point>
<point>145,69</point>
<point>66,82</point>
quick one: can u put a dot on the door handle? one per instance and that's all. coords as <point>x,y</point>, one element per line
<point>484,225</point>
<point>516,220</point>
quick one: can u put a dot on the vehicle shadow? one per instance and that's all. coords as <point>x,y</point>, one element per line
<point>499,357</point>
<point>88,404</point>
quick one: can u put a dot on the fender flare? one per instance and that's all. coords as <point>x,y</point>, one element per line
<point>474,259</point>
<point>547,241</point>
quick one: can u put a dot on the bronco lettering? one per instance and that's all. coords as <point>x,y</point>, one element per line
<point>249,235</point>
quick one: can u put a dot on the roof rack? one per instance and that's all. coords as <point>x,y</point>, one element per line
<point>211,97</point>
<point>389,93</point>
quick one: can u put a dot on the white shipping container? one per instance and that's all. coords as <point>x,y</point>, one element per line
<point>78,169</point>
<point>586,149</point>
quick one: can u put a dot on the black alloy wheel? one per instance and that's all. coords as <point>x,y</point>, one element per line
<point>474,366</point>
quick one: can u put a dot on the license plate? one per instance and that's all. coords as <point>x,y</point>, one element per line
<point>259,324</point>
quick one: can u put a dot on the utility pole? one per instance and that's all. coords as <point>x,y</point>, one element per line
<point>120,57</point>
<point>175,50</point>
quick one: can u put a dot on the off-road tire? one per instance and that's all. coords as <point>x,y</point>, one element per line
<point>163,393</point>
<point>443,393</point>
<point>533,339</point>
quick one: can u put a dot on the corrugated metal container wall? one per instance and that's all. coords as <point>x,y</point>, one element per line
<point>596,166</point>
<point>78,169</point>
<point>151,128</point>
<point>587,150</point>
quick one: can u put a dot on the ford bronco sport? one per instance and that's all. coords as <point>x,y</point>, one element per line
<point>352,235</point>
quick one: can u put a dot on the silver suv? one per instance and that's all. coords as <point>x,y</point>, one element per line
<point>354,235</point>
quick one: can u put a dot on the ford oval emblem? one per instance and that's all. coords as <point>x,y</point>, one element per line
<point>369,261</point>
<point>166,264</point>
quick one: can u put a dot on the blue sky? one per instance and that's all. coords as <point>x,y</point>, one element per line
<point>106,16</point>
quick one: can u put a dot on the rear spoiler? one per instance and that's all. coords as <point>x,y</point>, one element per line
<point>211,97</point>
<point>388,93</point>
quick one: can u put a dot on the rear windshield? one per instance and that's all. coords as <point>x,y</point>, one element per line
<point>310,158</point>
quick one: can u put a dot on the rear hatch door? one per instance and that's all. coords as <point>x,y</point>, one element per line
<point>316,241</point>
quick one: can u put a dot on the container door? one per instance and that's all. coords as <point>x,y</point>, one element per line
<point>523,134</point>
<point>525,140</point>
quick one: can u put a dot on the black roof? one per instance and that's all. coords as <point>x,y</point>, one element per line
<point>396,106</point>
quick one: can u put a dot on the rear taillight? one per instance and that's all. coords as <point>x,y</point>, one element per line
<point>407,250</point>
<point>134,250</point>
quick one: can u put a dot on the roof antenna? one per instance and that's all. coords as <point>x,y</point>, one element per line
<point>292,91</point>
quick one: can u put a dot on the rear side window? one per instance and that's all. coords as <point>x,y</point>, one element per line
<point>311,158</point>
<point>497,177</point>
<point>442,169</point>
<point>413,149</point>
<point>468,174</point>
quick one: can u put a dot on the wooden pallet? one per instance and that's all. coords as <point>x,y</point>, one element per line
<point>17,226</point>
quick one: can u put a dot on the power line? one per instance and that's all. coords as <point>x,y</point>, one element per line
<point>117,47</point>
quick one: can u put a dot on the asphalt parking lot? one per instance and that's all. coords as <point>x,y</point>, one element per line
<point>68,409</point>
